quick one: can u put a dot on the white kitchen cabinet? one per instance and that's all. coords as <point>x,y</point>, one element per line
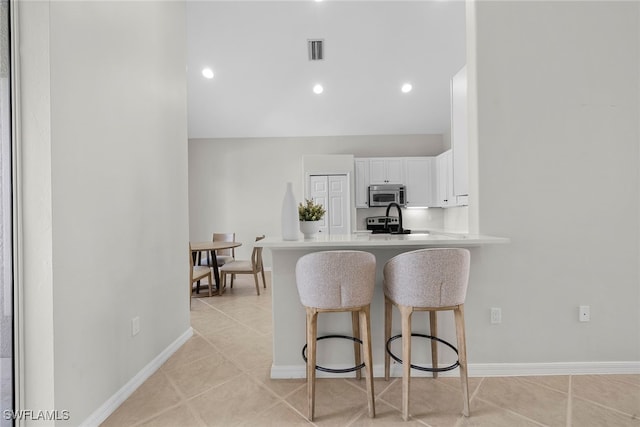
<point>459,134</point>
<point>421,182</point>
<point>444,166</point>
<point>386,170</point>
<point>417,174</point>
<point>362,182</point>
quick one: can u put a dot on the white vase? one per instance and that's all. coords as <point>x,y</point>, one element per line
<point>310,229</point>
<point>289,215</point>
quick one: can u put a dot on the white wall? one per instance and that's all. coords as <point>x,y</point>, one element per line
<point>35,276</point>
<point>558,90</point>
<point>238,184</point>
<point>104,187</point>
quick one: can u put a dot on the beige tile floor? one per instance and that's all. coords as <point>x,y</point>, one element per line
<point>220,377</point>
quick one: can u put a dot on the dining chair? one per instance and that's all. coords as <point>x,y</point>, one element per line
<point>222,255</point>
<point>252,266</point>
<point>197,273</point>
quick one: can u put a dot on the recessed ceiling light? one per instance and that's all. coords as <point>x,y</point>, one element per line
<point>207,73</point>
<point>406,88</point>
<point>318,89</point>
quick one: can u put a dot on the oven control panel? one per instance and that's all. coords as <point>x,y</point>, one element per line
<point>377,222</point>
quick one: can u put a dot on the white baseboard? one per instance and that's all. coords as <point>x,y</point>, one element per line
<point>553,368</point>
<point>483,370</point>
<point>103,412</point>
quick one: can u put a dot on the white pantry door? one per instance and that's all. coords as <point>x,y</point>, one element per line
<point>332,191</point>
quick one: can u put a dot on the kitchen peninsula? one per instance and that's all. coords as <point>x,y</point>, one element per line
<point>289,314</point>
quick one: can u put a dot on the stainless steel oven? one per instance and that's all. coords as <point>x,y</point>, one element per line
<point>382,195</point>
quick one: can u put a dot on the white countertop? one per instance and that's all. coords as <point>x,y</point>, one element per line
<point>439,239</point>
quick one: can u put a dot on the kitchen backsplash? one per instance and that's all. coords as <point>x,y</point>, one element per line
<point>413,219</point>
<point>454,219</point>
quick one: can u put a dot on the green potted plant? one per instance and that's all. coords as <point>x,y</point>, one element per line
<point>310,215</point>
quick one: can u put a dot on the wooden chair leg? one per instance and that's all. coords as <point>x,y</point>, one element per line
<point>462,357</point>
<point>264,281</point>
<point>365,321</point>
<point>405,313</point>
<point>255,279</point>
<point>195,256</point>
<point>387,335</point>
<point>357,348</point>
<point>433,331</point>
<point>312,328</point>
<point>210,279</point>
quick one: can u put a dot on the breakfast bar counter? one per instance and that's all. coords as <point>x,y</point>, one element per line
<point>289,314</point>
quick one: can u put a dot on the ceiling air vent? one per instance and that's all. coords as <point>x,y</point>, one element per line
<point>316,49</point>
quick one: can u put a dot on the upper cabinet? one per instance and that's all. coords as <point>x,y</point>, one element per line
<point>460,136</point>
<point>386,170</point>
<point>417,174</point>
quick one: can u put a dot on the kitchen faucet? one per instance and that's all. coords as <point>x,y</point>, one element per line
<point>386,220</point>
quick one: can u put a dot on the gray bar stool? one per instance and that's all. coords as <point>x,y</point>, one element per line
<point>426,280</point>
<point>334,281</point>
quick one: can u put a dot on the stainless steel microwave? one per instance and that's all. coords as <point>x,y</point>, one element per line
<point>382,195</point>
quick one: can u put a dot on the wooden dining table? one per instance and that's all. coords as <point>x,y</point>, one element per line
<point>212,246</point>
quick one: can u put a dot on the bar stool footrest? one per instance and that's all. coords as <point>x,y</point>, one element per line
<point>331,370</point>
<point>422,368</point>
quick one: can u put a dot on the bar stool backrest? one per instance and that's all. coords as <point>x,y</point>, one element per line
<point>428,277</point>
<point>336,279</point>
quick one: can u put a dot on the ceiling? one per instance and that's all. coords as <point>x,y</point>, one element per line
<point>263,79</point>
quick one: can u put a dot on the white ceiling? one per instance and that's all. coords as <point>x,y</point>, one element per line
<point>263,79</point>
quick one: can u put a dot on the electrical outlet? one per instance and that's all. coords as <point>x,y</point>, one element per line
<point>496,315</point>
<point>135,326</point>
<point>584,313</point>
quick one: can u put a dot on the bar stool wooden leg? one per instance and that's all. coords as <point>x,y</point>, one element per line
<point>433,331</point>
<point>312,329</point>
<point>462,357</point>
<point>405,313</point>
<point>365,320</point>
<point>387,335</point>
<point>357,348</point>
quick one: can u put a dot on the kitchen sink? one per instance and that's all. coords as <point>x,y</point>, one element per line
<point>401,232</point>
<point>417,236</point>
<point>394,237</point>
<point>387,231</point>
